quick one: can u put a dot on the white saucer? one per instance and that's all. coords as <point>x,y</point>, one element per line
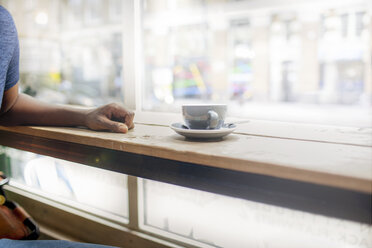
<point>203,133</point>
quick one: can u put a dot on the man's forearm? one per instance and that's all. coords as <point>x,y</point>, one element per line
<point>30,111</point>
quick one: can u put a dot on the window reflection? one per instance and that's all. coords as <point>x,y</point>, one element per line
<point>99,191</point>
<point>221,221</point>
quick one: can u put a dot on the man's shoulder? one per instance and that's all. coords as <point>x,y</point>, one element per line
<point>5,16</point>
<point>8,31</point>
<point>6,21</point>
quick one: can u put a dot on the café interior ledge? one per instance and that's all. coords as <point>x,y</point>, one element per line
<point>339,165</point>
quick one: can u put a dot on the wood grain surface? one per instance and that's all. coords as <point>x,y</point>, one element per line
<point>346,165</point>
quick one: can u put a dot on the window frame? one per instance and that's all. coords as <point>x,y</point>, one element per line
<point>132,90</point>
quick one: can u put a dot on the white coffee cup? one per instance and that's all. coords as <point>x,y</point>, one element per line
<point>204,116</point>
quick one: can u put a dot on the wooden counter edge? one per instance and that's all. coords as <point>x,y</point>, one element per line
<point>263,168</point>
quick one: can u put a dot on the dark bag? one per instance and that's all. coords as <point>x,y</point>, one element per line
<point>15,223</point>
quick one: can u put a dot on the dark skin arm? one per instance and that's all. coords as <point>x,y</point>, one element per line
<point>20,109</point>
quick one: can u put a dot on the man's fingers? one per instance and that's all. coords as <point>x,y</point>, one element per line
<point>111,117</point>
<point>119,113</point>
<point>114,126</point>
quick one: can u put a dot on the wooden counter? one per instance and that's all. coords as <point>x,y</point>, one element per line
<point>292,170</point>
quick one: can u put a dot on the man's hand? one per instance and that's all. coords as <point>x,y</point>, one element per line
<point>112,117</point>
<point>20,109</point>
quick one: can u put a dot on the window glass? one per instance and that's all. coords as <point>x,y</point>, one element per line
<point>307,61</point>
<point>71,51</point>
<point>220,221</point>
<point>95,190</point>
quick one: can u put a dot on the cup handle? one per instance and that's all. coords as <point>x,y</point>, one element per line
<point>213,119</point>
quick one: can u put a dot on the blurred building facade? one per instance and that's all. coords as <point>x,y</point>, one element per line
<point>281,51</point>
<point>248,52</point>
<point>71,51</point>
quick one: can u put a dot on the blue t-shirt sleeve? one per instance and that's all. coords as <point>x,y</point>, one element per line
<point>12,75</point>
<point>9,53</point>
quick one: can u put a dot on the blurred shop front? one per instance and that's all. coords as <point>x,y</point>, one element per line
<point>71,51</point>
<point>267,55</point>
